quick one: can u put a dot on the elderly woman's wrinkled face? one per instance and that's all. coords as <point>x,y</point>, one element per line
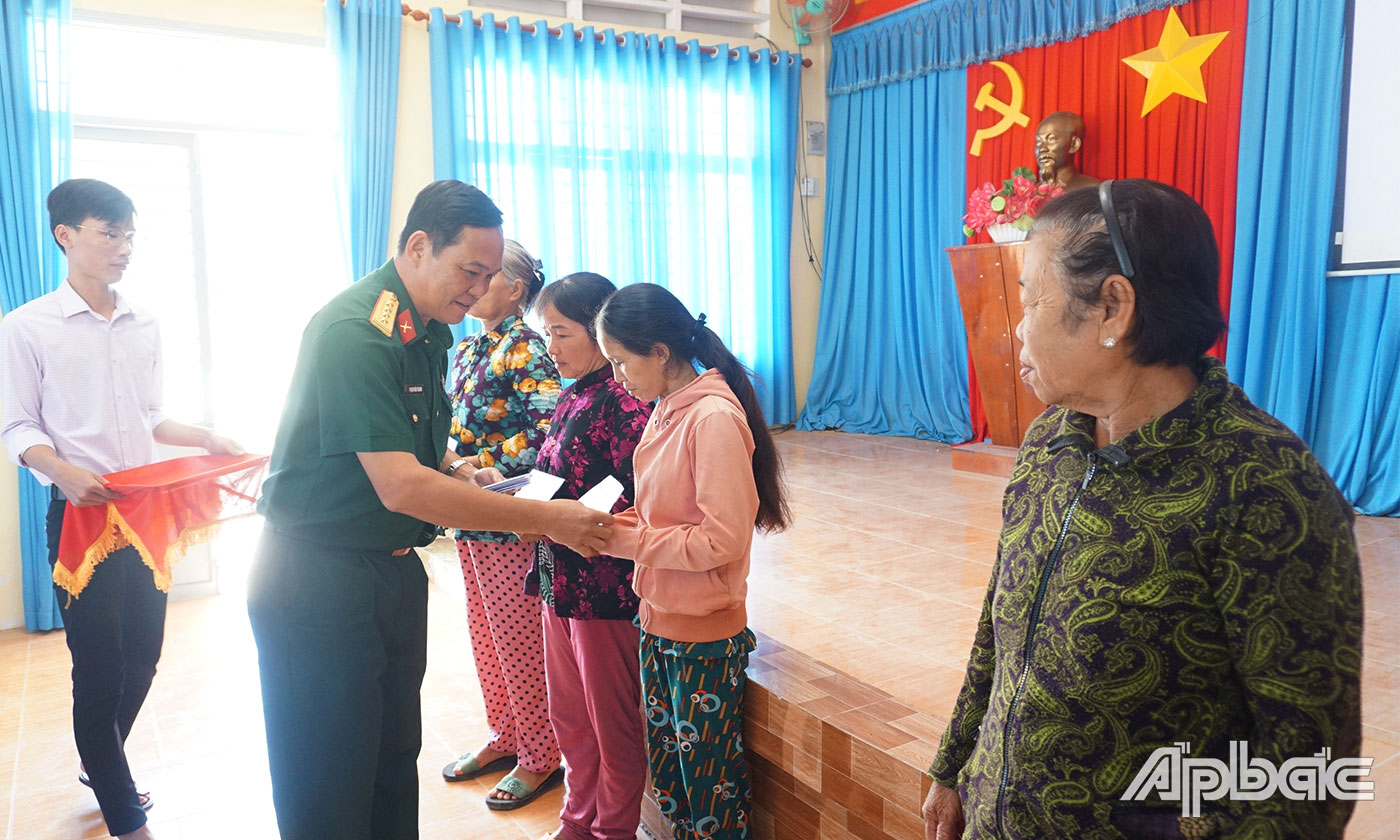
<point>1059,356</point>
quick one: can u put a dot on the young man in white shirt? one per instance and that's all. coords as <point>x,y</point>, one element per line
<point>81,398</point>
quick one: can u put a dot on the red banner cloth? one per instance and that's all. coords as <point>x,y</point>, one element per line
<point>1191,145</point>
<point>864,11</point>
<point>166,508</point>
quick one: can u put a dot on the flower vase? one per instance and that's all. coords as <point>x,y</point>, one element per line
<point>1005,233</point>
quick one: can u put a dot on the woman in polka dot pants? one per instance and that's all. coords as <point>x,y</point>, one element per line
<point>508,649</point>
<point>504,388</point>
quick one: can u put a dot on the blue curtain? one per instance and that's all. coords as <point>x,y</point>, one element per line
<point>1357,435</point>
<point>35,132</point>
<point>952,34</point>
<point>364,35</point>
<point>891,354</point>
<point>636,161</point>
<point>1318,353</point>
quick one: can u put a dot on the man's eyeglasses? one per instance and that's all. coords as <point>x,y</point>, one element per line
<point>114,237</point>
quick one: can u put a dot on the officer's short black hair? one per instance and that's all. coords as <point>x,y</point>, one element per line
<point>1176,263</point>
<point>443,208</point>
<point>78,199</point>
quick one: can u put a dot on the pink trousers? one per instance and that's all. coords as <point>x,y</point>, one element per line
<point>508,648</point>
<point>593,674</point>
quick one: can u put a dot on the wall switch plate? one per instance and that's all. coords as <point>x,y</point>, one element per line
<point>816,137</point>
<point>809,187</point>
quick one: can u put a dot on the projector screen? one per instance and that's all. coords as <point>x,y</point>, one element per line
<point>1366,234</point>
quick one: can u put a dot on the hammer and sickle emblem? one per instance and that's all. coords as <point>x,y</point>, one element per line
<point>1010,111</point>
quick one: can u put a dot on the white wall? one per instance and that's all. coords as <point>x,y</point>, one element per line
<point>289,17</point>
<point>11,596</point>
<point>806,287</point>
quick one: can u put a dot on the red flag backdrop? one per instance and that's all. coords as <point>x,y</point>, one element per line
<point>864,11</point>
<point>1188,144</point>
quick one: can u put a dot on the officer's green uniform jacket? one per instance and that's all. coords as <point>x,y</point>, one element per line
<point>356,389</point>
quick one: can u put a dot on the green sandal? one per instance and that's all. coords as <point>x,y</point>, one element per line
<point>466,767</point>
<point>522,792</point>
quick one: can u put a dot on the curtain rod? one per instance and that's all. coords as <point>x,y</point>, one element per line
<point>420,15</point>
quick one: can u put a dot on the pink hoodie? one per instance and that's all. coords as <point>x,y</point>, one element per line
<point>692,526</point>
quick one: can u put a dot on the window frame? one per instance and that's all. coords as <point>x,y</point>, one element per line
<point>113,131</point>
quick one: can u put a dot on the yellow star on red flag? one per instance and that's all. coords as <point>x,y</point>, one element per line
<point>1174,65</point>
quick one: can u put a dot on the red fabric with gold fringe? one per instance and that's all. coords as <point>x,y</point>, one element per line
<point>165,508</point>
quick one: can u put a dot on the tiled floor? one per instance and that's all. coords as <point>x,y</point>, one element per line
<point>198,745</point>
<point>884,574</point>
<point>882,578</point>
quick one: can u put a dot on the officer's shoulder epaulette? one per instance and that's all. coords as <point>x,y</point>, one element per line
<point>382,315</point>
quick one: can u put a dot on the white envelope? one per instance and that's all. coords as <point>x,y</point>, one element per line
<point>541,487</point>
<point>603,496</point>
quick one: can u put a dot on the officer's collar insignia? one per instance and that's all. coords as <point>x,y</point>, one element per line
<point>382,315</point>
<point>406,331</point>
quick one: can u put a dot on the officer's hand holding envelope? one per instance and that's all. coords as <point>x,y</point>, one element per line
<point>487,477</point>
<point>578,527</point>
<point>543,486</point>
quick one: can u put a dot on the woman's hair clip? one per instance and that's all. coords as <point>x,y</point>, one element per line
<point>539,276</point>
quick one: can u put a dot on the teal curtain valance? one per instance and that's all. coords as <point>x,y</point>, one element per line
<point>950,34</point>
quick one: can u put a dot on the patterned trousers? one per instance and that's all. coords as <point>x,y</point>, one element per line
<point>508,648</point>
<point>694,695</point>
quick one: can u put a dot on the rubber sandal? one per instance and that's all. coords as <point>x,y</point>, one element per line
<point>522,792</point>
<point>144,799</point>
<point>465,767</point>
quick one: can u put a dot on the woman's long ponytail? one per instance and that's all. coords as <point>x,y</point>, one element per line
<point>773,511</point>
<point>643,315</point>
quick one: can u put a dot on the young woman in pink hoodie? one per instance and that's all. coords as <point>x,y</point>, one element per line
<point>707,472</point>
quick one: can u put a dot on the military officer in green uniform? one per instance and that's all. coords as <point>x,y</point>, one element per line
<point>360,475</point>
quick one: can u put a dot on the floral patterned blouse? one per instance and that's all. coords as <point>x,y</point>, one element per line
<point>503,388</point>
<point>596,426</point>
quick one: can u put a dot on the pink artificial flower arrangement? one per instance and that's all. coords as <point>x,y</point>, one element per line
<point>1017,203</point>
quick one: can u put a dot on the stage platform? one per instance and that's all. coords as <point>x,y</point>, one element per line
<point>866,610</point>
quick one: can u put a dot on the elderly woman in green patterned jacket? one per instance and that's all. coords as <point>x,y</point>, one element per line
<point>1177,577</point>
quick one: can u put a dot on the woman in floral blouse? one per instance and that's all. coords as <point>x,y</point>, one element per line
<point>504,387</point>
<point>590,642</point>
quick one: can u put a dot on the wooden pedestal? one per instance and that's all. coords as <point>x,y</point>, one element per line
<point>986,458</point>
<point>986,277</point>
